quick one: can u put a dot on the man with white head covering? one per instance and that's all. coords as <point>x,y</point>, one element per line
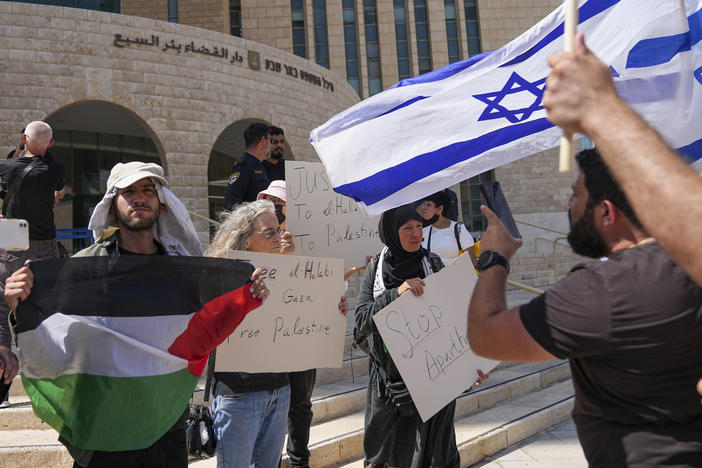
<point>149,218</point>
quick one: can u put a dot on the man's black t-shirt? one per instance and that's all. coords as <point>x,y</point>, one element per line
<point>34,199</point>
<point>275,171</point>
<point>632,329</point>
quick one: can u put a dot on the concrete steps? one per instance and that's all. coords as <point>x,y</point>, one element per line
<point>518,401</point>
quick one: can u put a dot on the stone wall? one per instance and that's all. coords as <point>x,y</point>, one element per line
<point>267,22</point>
<point>184,100</point>
<point>207,14</point>
<point>503,20</point>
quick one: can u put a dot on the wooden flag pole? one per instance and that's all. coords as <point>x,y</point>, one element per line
<point>567,157</point>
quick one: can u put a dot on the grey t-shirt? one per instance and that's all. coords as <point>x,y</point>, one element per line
<point>632,329</point>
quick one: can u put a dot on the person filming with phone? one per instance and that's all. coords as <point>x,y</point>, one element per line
<point>31,184</point>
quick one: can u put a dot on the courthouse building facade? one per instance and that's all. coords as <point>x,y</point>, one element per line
<point>177,81</point>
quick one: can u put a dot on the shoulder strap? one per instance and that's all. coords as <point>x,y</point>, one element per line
<point>16,183</point>
<point>378,284</point>
<point>431,228</point>
<point>456,231</point>
<point>210,371</point>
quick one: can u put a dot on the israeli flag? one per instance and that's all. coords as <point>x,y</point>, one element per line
<point>432,131</point>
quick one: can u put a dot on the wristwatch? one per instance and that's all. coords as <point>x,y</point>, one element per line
<point>491,258</point>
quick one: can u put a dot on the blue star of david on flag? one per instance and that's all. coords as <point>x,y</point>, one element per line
<point>515,84</point>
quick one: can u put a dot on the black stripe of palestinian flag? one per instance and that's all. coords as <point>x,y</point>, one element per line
<point>111,348</point>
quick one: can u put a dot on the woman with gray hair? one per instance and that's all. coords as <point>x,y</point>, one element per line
<point>250,410</point>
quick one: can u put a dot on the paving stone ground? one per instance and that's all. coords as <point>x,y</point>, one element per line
<point>555,448</point>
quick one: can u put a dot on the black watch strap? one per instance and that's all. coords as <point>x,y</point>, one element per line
<point>490,258</point>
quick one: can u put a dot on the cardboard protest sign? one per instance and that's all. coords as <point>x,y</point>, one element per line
<point>323,222</point>
<point>298,327</point>
<point>427,338</point>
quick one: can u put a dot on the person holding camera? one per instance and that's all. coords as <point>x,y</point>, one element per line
<point>30,183</point>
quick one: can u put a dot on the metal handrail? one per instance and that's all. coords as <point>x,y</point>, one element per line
<point>541,227</point>
<point>211,221</point>
<point>525,287</point>
<point>555,259</point>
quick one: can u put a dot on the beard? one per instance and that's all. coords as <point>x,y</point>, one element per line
<point>136,225</point>
<point>584,238</point>
<point>277,153</point>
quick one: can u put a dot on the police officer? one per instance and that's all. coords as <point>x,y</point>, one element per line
<point>249,176</point>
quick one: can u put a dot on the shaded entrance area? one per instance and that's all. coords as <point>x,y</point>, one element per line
<point>90,138</point>
<point>226,152</point>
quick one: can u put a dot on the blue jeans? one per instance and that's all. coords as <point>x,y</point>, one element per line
<point>250,428</point>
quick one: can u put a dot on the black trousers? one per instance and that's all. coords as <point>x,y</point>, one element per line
<point>170,451</point>
<point>300,416</point>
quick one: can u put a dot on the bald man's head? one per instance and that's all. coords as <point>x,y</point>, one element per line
<point>37,137</point>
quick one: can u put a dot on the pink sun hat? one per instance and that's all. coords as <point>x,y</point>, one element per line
<point>275,189</point>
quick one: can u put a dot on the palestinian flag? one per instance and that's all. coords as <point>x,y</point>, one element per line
<point>111,348</point>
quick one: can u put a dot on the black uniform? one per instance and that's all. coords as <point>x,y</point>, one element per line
<point>248,178</point>
<point>275,171</point>
<point>34,198</point>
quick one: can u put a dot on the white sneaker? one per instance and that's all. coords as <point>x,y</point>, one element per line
<point>5,404</point>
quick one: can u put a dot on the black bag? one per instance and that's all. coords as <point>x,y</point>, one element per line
<point>199,433</point>
<point>397,395</point>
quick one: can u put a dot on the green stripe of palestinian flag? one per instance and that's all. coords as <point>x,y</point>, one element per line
<point>76,406</point>
<point>111,348</point>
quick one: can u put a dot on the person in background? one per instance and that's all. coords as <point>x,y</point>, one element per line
<point>302,382</point>
<point>249,177</point>
<point>30,184</point>
<point>275,165</point>
<point>275,193</point>
<point>448,239</point>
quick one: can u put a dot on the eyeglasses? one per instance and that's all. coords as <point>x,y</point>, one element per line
<point>275,141</point>
<point>270,233</point>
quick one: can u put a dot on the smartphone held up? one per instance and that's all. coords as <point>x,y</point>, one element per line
<point>14,234</point>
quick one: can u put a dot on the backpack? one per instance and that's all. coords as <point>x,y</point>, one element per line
<point>456,233</point>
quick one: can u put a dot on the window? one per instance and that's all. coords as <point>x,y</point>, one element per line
<point>421,21</point>
<point>454,53</point>
<point>375,82</point>
<point>297,9</point>
<point>471,201</point>
<point>172,11</point>
<point>351,44</point>
<point>235,18</point>
<point>472,27</point>
<point>403,57</point>
<point>112,6</point>
<point>321,42</point>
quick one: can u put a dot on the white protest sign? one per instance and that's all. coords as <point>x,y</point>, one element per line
<point>427,338</point>
<point>324,223</point>
<point>298,327</point>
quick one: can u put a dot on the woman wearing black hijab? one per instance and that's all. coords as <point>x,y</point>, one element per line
<point>395,435</point>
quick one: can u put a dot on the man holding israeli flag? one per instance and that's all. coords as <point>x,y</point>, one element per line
<point>435,130</point>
